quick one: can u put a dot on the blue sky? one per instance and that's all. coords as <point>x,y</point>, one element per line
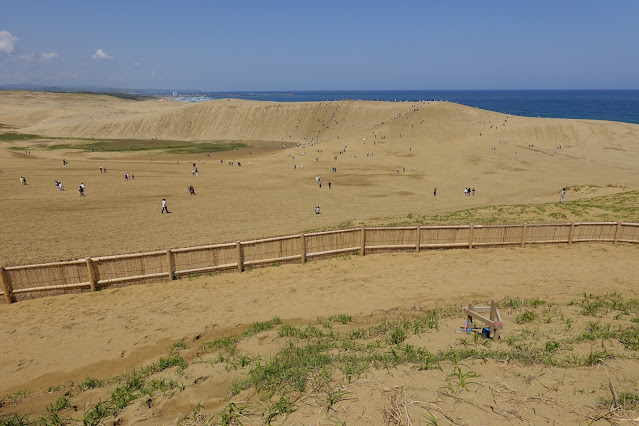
<point>327,45</point>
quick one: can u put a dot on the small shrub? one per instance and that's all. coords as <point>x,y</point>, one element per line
<point>358,333</point>
<point>90,383</point>
<point>13,420</point>
<point>630,338</point>
<point>552,346</point>
<point>178,346</point>
<point>342,318</point>
<point>512,303</point>
<point>62,403</point>
<point>526,317</point>
<point>258,327</point>
<point>397,336</point>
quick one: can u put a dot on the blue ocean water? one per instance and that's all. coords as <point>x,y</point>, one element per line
<point>613,105</point>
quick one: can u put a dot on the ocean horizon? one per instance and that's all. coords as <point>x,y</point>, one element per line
<point>609,105</point>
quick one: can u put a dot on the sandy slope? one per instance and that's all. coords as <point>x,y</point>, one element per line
<point>437,144</point>
<point>108,332</point>
<point>68,337</point>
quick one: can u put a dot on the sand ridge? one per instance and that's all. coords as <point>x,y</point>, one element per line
<point>383,170</point>
<point>388,159</point>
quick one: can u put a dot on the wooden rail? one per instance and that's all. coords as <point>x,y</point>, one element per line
<point>92,273</point>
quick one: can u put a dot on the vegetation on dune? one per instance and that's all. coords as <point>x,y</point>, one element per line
<point>120,95</point>
<point>325,363</point>
<point>124,145</point>
<point>622,206</point>
<point>140,145</point>
<point>16,137</point>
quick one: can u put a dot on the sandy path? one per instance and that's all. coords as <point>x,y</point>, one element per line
<point>52,340</point>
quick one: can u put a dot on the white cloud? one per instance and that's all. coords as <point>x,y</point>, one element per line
<point>7,40</point>
<point>27,57</point>
<point>48,56</point>
<point>101,54</point>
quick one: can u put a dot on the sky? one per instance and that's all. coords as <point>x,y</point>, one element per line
<point>321,45</point>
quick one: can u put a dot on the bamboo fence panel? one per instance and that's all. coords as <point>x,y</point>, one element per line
<point>629,233</point>
<point>272,250</point>
<point>488,235</point>
<point>29,281</point>
<point>25,280</point>
<point>321,243</point>
<point>110,269</point>
<point>444,236</point>
<point>205,258</point>
<point>391,238</point>
<point>547,233</point>
<point>603,232</point>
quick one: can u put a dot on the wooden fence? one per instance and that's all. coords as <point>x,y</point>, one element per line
<point>29,281</point>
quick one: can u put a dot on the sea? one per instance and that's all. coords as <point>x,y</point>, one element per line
<point>611,105</point>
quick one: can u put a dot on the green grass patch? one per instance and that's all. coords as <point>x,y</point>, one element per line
<point>16,396</point>
<point>323,360</point>
<point>178,346</point>
<point>13,420</point>
<point>142,145</point>
<point>623,206</point>
<point>17,137</point>
<point>341,318</point>
<point>526,317</point>
<point>90,383</point>
<point>59,405</point>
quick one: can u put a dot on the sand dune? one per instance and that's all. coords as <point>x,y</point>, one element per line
<point>391,173</point>
<point>112,331</point>
<point>389,157</point>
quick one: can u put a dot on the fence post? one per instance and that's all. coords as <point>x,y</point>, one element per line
<point>523,234</point>
<point>240,257</point>
<point>5,286</point>
<point>617,229</point>
<point>362,249</point>
<point>91,272</point>
<point>419,238</point>
<point>303,247</point>
<point>571,232</point>
<point>470,236</point>
<point>169,258</point>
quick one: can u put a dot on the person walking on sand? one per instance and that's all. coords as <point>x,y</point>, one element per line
<point>164,207</point>
<point>563,194</point>
<point>435,192</point>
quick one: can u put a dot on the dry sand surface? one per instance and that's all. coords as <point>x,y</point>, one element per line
<point>441,147</point>
<point>106,333</point>
<point>390,156</point>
